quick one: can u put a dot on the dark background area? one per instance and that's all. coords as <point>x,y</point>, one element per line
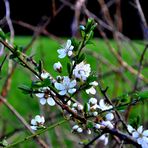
<point>32,11</point>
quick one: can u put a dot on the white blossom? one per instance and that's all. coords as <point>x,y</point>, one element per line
<point>92,101</point>
<point>44,75</point>
<point>75,105</point>
<point>57,66</point>
<point>79,130</point>
<point>104,138</point>
<point>140,135</point>
<point>130,128</point>
<point>38,121</point>
<point>103,106</point>
<point>45,97</point>
<point>82,71</point>
<point>69,103</point>
<point>80,107</point>
<point>65,50</point>
<point>109,116</point>
<point>66,86</point>
<point>107,124</point>
<point>75,127</point>
<point>88,131</point>
<point>97,126</point>
<point>95,113</point>
<point>92,90</point>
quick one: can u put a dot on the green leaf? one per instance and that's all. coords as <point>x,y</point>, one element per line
<point>121,108</point>
<point>81,58</point>
<point>39,84</point>
<point>75,43</point>
<point>25,89</point>
<point>4,143</point>
<point>89,24</point>
<point>85,107</point>
<point>89,124</point>
<point>143,95</point>
<point>2,34</point>
<point>84,142</point>
<point>91,78</point>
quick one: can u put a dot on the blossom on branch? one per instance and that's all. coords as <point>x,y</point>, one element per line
<point>92,90</point>
<point>140,135</point>
<point>45,96</point>
<point>66,86</point>
<point>82,71</point>
<point>104,106</point>
<point>37,122</point>
<point>57,67</point>
<point>66,50</point>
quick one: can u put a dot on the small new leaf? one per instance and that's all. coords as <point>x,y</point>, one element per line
<point>25,89</point>
<point>89,124</point>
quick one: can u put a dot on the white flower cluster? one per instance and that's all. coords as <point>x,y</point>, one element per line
<point>93,111</point>
<point>77,107</point>
<point>37,122</point>
<point>140,135</point>
<point>82,71</point>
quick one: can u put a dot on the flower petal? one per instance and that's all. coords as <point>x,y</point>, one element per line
<point>91,91</point>
<point>135,135</point>
<point>33,122</point>
<point>130,128</point>
<point>50,101</point>
<point>62,53</point>
<point>59,86</point>
<point>63,92</point>
<point>68,44</point>
<point>71,91</point>
<point>33,127</point>
<point>145,133</point>
<point>69,53</point>
<point>40,95</point>
<point>43,101</point>
<point>109,116</point>
<point>72,84</point>
<point>38,118</point>
<point>140,129</point>
<point>44,75</point>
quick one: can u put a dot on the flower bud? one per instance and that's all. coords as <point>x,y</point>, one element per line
<point>75,127</point>
<point>79,107</point>
<point>88,131</point>
<point>44,75</point>
<point>57,67</point>
<point>93,101</point>
<point>109,116</point>
<point>97,126</point>
<point>75,105</point>
<point>95,114</point>
<point>79,130</point>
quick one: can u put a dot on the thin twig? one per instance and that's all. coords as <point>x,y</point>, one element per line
<point>22,120</point>
<point>120,135</point>
<point>37,134</point>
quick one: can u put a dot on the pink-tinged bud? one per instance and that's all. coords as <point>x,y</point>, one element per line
<point>57,67</point>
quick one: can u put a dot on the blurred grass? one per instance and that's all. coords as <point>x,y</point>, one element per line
<point>46,49</point>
